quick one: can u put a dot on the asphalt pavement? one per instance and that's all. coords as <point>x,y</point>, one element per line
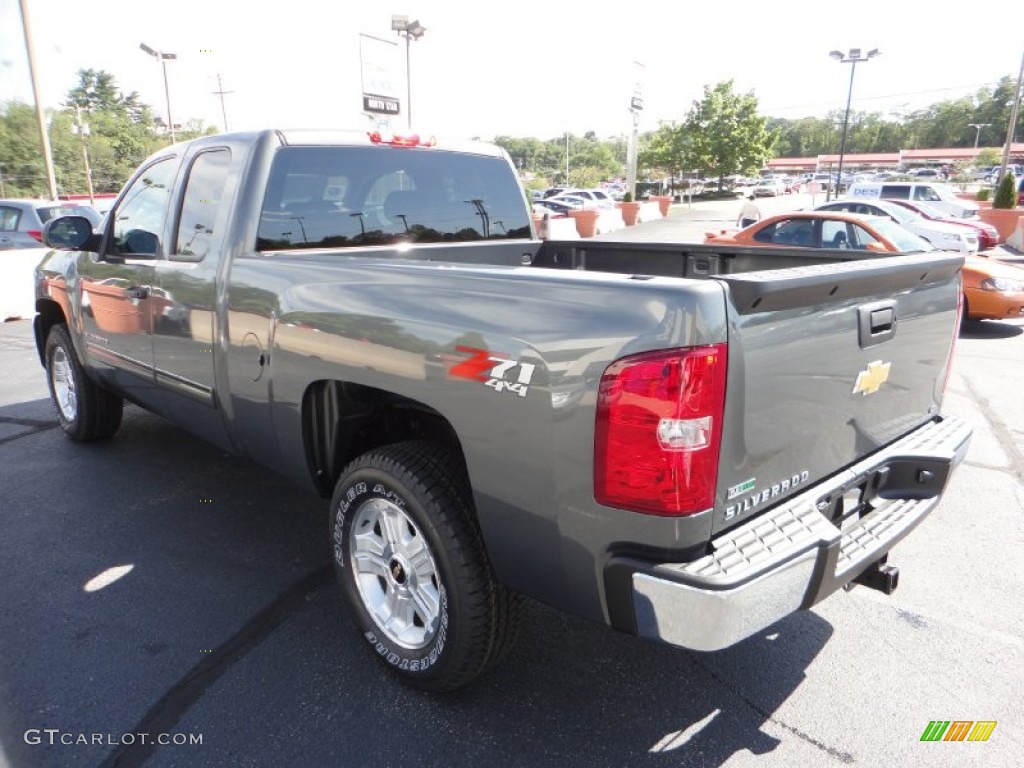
<point>154,585</point>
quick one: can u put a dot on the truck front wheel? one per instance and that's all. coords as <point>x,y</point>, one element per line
<point>85,410</point>
<point>411,565</point>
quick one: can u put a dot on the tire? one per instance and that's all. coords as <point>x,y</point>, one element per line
<point>411,565</point>
<point>85,410</point>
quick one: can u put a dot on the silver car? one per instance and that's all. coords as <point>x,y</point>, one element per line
<point>21,221</point>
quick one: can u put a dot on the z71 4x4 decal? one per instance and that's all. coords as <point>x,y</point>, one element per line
<point>494,370</point>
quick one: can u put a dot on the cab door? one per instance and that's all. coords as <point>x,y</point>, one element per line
<point>116,285</point>
<point>185,325</point>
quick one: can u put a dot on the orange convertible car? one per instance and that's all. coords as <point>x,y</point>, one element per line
<point>993,290</point>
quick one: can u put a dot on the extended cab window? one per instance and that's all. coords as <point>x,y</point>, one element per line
<point>200,206</point>
<point>139,217</point>
<point>345,197</point>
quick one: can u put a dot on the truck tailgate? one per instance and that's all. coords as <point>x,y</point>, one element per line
<point>827,364</point>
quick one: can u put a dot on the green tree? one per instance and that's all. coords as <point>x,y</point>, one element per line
<point>726,133</point>
<point>22,173</point>
<point>1006,192</point>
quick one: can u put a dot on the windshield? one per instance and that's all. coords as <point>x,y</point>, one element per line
<point>930,210</point>
<point>906,241</point>
<point>903,215</point>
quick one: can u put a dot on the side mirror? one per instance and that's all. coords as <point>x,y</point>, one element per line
<point>68,232</point>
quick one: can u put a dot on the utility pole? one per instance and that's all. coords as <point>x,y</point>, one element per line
<point>222,93</point>
<point>1013,121</point>
<point>83,131</point>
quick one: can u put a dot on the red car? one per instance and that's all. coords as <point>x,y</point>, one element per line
<point>988,237</point>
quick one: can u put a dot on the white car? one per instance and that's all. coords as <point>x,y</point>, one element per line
<point>769,188</point>
<point>948,237</point>
<point>599,197</point>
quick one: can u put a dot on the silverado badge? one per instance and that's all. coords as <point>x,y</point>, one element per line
<point>873,377</point>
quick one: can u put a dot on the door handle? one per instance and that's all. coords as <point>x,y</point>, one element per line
<point>135,292</point>
<point>877,322</point>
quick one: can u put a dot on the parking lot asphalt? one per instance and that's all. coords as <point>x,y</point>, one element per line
<point>223,624</point>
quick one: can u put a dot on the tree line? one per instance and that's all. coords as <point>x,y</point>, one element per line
<point>722,133</point>
<point>118,130</point>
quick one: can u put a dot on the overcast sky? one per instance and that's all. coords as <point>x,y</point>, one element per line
<point>523,68</point>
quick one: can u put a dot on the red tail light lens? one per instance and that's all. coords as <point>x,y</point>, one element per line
<point>658,431</point>
<point>35,234</point>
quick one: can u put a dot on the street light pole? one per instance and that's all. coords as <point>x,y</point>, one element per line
<point>162,58</point>
<point>410,30</point>
<point>977,131</point>
<point>44,136</point>
<point>853,56</point>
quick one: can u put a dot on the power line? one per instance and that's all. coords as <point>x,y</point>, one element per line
<point>892,95</point>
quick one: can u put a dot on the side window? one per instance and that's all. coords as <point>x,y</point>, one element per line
<point>799,232</point>
<point>204,191</point>
<point>926,193</point>
<point>8,219</point>
<point>833,234</point>
<point>766,235</point>
<point>896,191</point>
<point>861,237</point>
<point>139,218</point>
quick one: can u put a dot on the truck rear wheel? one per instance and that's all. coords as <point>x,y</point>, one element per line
<point>411,565</point>
<point>85,410</point>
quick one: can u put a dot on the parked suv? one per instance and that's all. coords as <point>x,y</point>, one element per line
<point>21,221</point>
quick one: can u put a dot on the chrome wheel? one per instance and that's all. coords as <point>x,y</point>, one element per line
<point>395,573</point>
<point>63,380</point>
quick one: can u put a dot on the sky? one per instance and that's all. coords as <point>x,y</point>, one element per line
<point>526,68</point>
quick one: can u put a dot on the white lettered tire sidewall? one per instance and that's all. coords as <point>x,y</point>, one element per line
<point>364,485</point>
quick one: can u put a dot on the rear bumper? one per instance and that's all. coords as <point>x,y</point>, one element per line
<point>793,556</point>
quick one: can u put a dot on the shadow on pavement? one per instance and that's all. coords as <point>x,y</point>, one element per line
<point>217,556</point>
<point>989,329</point>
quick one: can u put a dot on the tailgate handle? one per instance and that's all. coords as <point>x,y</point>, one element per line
<point>877,322</point>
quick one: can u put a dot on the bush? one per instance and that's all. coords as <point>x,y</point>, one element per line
<point>1006,194</point>
<point>984,194</point>
<point>628,197</point>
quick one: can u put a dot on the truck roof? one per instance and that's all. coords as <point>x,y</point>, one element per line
<point>308,137</point>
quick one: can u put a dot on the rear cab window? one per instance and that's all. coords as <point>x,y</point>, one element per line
<point>348,197</point>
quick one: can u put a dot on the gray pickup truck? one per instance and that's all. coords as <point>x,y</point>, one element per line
<point>684,442</point>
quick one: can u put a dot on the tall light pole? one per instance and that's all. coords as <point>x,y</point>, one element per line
<point>852,57</point>
<point>977,131</point>
<point>44,136</point>
<point>162,58</point>
<point>410,30</point>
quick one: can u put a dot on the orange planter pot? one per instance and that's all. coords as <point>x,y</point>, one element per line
<point>664,201</point>
<point>630,212</point>
<point>538,225</point>
<point>114,311</point>
<point>1003,219</point>
<point>586,222</point>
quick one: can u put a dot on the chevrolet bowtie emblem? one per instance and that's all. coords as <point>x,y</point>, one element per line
<point>873,377</point>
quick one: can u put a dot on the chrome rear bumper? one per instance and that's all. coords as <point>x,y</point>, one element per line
<point>792,556</point>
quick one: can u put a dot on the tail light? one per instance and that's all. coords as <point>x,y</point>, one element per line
<point>658,431</point>
<point>36,234</point>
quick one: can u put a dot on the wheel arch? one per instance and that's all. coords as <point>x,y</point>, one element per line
<point>342,420</point>
<point>48,314</point>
